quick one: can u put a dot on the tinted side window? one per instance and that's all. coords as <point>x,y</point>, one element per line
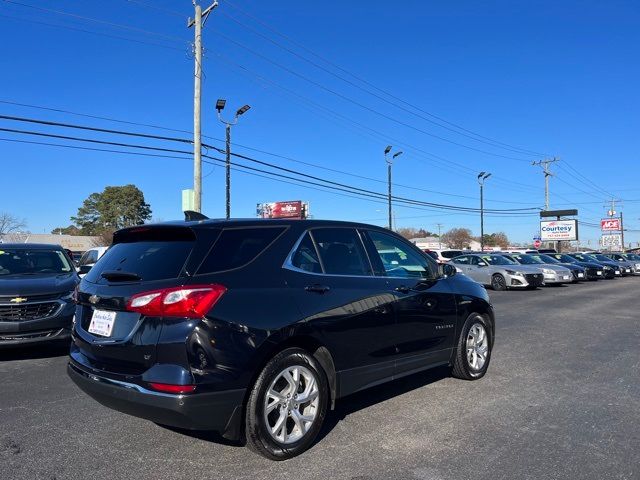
<point>238,246</point>
<point>341,251</point>
<point>461,260</point>
<point>305,257</point>
<point>451,253</point>
<point>399,259</point>
<point>475,261</point>
<point>84,260</point>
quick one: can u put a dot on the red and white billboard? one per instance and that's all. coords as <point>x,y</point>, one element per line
<point>610,224</point>
<point>291,209</point>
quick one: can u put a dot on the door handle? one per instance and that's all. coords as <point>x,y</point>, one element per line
<point>317,288</point>
<point>402,289</point>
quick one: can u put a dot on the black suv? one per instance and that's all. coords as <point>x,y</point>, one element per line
<point>254,328</point>
<point>36,288</point>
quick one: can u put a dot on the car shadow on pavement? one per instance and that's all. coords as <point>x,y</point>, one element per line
<point>381,393</point>
<point>344,407</point>
<point>54,349</point>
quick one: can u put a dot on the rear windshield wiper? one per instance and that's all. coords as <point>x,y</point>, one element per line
<point>116,276</point>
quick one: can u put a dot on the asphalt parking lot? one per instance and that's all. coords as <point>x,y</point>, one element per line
<point>561,400</point>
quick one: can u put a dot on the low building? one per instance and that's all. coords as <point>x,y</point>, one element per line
<point>428,243</point>
<point>75,243</point>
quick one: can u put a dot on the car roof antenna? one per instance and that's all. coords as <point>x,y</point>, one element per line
<point>190,215</point>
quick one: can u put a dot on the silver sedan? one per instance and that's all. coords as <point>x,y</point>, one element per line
<point>498,271</point>
<point>553,274</point>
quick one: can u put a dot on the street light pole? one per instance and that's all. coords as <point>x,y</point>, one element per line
<point>220,104</point>
<point>482,176</point>
<point>389,164</point>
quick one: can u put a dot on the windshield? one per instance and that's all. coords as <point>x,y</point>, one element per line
<point>497,260</point>
<point>601,258</point>
<point>22,261</point>
<point>527,259</point>
<point>632,256</point>
<point>546,258</point>
<point>582,257</point>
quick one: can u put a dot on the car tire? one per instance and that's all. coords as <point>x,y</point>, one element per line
<point>476,340</point>
<point>498,282</point>
<point>276,426</point>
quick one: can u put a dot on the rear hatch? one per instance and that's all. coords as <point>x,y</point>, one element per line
<point>110,338</point>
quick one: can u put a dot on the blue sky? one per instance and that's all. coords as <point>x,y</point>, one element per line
<point>557,78</point>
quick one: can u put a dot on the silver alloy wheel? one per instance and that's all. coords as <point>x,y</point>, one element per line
<point>291,404</point>
<point>477,346</point>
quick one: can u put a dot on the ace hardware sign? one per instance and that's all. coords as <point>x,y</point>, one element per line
<point>610,224</point>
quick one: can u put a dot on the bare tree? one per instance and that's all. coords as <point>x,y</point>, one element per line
<point>10,224</point>
<point>457,238</point>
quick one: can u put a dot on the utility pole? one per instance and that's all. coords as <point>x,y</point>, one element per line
<point>482,176</point>
<point>622,231</point>
<point>198,22</point>
<point>547,173</point>
<point>612,213</point>
<point>219,107</point>
<point>389,164</point>
<point>439,225</point>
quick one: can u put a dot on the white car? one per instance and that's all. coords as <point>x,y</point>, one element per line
<point>88,259</point>
<point>443,256</point>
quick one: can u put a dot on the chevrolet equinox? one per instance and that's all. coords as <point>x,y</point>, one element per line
<point>254,328</point>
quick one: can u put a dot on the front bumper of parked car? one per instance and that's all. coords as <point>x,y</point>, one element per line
<point>42,321</point>
<point>525,280</point>
<point>557,277</point>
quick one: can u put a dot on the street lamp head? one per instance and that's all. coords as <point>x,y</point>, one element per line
<point>242,110</point>
<point>220,104</point>
<point>387,150</point>
<point>397,154</point>
<point>486,176</point>
<point>481,174</point>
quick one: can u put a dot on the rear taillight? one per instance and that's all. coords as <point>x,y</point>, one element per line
<point>170,388</point>
<point>192,301</point>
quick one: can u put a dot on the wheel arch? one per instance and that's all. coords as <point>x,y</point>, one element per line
<point>308,343</point>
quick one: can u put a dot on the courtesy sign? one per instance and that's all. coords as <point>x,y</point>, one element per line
<point>559,230</point>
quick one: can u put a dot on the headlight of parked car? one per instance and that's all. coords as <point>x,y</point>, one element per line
<point>512,272</point>
<point>548,271</point>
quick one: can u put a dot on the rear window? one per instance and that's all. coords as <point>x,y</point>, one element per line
<point>451,253</point>
<point>150,260</point>
<point>237,247</point>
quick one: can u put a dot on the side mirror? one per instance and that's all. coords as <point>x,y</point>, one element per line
<point>447,270</point>
<point>482,264</point>
<point>84,269</point>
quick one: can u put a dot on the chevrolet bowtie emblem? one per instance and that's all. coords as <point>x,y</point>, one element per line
<point>18,300</point>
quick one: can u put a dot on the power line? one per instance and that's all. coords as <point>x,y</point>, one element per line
<point>357,103</point>
<point>379,136</point>
<point>102,22</point>
<point>366,82</point>
<point>332,184</point>
<point>129,133</point>
<point>380,97</point>
<point>101,34</point>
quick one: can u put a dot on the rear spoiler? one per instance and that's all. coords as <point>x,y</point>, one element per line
<point>190,215</point>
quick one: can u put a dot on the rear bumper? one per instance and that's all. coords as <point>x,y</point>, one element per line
<point>217,411</point>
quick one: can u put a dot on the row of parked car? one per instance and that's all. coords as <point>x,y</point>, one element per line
<point>533,268</point>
